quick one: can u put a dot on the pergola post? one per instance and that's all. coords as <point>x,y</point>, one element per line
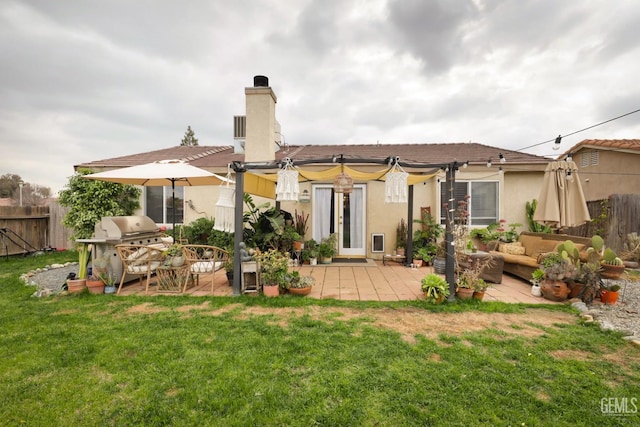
<point>238,229</point>
<point>409,248</point>
<point>448,237</point>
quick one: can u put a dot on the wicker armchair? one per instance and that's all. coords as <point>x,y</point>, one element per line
<point>138,260</point>
<point>205,260</point>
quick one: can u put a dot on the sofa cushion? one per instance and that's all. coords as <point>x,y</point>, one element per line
<point>512,248</point>
<point>519,259</point>
<point>544,246</point>
<point>529,243</point>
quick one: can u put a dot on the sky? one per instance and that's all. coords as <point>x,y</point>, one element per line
<point>90,80</point>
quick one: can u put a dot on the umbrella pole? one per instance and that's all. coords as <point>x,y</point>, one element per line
<point>173,207</point>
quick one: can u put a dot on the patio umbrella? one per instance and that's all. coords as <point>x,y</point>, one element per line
<point>561,202</point>
<point>159,174</point>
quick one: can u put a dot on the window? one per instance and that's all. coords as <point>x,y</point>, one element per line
<point>590,158</point>
<point>483,204</point>
<point>158,204</point>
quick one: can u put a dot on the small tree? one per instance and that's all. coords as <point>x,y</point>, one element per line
<point>189,138</point>
<point>91,200</point>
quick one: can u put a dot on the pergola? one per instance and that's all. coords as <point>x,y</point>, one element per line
<point>264,185</point>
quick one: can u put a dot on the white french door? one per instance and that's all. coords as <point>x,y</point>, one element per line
<point>343,214</point>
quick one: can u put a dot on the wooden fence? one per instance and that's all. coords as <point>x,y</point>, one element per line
<point>611,218</point>
<point>28,229</point>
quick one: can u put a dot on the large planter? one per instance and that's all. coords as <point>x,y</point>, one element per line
<point>608,297</point>
<point>611,271</point>
<point>300,291</point>
<point>464,293</point>
<point>325,260</point>
<point>440,265</point>
<point>75,286</point>
<point>554,290</point>
<point>271,291</point>
<point>576,288</point>
<point>95,286</point>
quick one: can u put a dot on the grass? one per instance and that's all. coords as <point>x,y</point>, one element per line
<point>104,360</point>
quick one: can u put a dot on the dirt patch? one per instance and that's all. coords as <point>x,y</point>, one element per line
<point>410,322</point>
<point>570,354</point>
<point>146,308</point>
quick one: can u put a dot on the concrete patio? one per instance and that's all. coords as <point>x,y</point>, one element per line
<point>369,281</point>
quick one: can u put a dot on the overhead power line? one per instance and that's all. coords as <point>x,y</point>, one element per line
<point>578,131</point>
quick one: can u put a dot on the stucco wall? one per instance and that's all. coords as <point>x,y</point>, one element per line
<point>616,172</point>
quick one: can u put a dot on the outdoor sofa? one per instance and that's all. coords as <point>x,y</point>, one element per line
<point>521,258</point>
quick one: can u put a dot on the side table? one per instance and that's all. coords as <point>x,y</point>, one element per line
<point>490,273</point>
<point>395,258</point>
<point>172,279</point>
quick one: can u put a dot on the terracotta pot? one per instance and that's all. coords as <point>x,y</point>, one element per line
<point>75,286</point>
<point>608,297</point>
<point>611,271</point>
<point>464,293</point>
<point>417,262</point>
<point>300,291</point>
<point>298,246</point>
<point>271,291</point>
<point>478,295</point>
<point>95,286</point>
<point>554,290</point>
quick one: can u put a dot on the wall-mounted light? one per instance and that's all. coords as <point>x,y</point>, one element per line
<point>304,197</point>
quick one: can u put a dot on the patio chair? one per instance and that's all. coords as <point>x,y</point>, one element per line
<point>138,260</point>
<point>205,259</point>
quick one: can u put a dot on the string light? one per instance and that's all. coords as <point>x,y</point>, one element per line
<point>489,163</point>
<point>502,159</point>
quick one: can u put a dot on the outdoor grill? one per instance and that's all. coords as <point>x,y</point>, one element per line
<point>116,230</point>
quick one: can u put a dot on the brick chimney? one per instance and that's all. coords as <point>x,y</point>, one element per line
<point>260,143</point>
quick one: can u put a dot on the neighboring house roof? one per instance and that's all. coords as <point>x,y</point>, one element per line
<point>630,145</point>
<point>221,156</point>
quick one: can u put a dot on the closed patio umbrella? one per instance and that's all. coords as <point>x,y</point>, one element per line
<point>159,174</point>
<point>561,202</point>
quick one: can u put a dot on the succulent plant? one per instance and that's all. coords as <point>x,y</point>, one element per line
<point>610,258</point>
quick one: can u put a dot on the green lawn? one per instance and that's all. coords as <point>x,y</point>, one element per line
<point>128,361</point>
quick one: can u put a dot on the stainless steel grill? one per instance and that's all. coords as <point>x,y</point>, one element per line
<point>117,230</point>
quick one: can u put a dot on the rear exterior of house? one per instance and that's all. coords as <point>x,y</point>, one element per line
<point>607,166</point>
<point>496,192</point>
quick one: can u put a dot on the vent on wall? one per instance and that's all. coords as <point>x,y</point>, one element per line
<point>239,127</point>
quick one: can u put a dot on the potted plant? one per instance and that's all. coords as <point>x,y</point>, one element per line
<point>402,234</point>
<point>327,249</point>
<point>485,235</point>
<point>228,265</point>
<point>274,266</point>
<point>609,294</point>
<point>95,285</point>
<point>440,261</point>
<point>310,252</point>
<point>612,265</point>
<point>435,288</point>
<point>466,283</point>
<point>300,285</point>
<point>557,270</point>
<point>174,256</point>
<point>301,227</point>
<point>103,270</point>
<point>536,278</point>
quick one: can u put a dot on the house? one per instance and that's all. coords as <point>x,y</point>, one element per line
<point>607,166</point>
<point>498,181</point>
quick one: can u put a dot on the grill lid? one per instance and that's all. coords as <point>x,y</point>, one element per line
<point>117,227</point>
